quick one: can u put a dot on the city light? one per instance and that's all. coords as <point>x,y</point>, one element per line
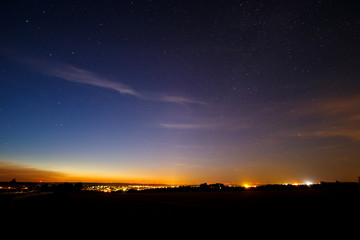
<point>308,183</point>
<point>124,188</point>
<point>247,186</point>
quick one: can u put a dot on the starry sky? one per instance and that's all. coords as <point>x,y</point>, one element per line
<point>180,92</point>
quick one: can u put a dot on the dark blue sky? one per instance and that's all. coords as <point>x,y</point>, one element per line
<point>179,91</point>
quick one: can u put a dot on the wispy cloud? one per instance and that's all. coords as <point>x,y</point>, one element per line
<point>180,126</point>
<point>178,99</point>
<point>209,123</point>
<point>83,76</point>
<point>78,75</point>
<point>330,107</point>
<point>325,118</point>
<point>322,119</point>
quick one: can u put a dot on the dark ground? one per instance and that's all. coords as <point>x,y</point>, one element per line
<point>303,207</point>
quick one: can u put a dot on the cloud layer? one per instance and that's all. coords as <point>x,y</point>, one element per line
<point>24,173</point>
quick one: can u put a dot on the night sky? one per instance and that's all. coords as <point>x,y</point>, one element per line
<point>180,92</point>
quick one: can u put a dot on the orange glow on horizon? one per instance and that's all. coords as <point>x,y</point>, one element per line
<point>26,173</point>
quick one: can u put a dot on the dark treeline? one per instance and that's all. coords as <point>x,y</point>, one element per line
<point>60,188</point>
<point>219,187</point>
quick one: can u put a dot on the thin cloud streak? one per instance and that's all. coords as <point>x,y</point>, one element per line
<point>180,126</point>
<point>177,99</point>
<point>79,75</point>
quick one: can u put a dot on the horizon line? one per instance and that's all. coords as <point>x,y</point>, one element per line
<point>191,184</point>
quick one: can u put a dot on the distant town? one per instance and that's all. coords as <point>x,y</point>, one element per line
<point>14,187</point>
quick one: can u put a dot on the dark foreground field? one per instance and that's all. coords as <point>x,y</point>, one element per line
<point>307,207</point>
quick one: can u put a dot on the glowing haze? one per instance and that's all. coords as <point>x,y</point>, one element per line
<point>179,92</point>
